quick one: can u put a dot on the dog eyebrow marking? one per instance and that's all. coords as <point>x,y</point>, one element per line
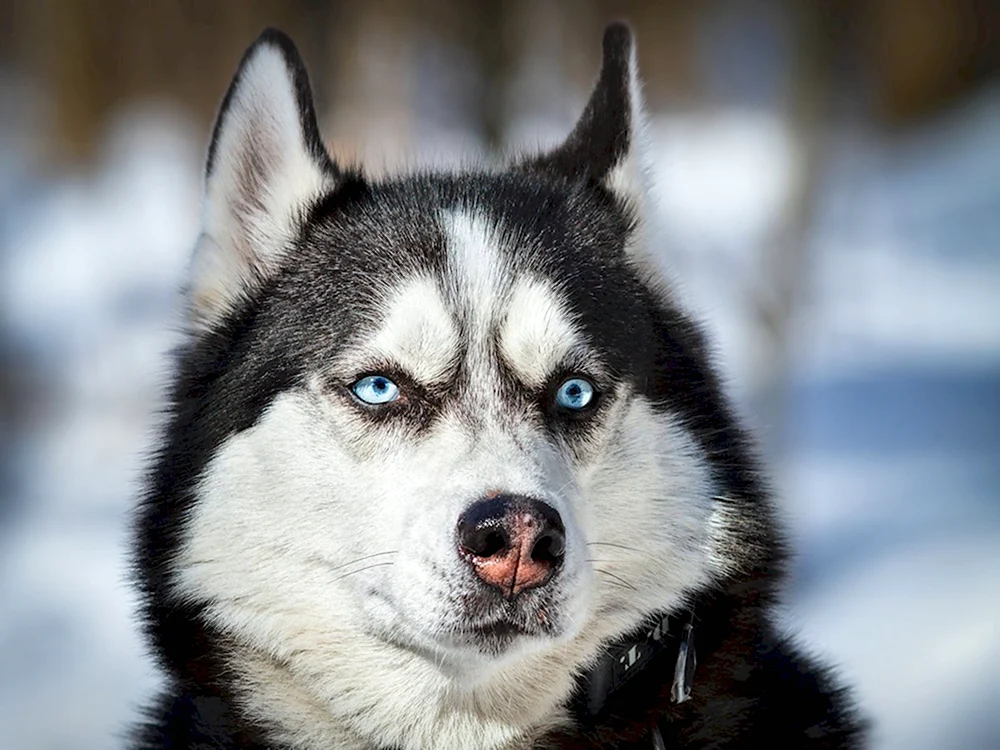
<point>538,332</point>
<point>417,332</point>
<point>477,265</point>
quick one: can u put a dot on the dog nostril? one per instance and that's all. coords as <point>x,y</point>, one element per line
<point>549,548</point>
<point>484,541</point>
<point>492,543</point>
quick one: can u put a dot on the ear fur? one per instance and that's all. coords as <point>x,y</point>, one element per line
<point>266,166</point>
<point>608,142</point>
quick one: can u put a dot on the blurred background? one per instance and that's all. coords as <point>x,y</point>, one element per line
<point>828,183</point>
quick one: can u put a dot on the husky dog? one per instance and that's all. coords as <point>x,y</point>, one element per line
<point>446,466</point>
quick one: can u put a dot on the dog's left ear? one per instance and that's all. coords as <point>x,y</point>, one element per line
<point>607,144</point>
<point>266,167</point>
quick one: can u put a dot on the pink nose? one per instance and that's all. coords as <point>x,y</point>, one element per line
<point>512,543</point>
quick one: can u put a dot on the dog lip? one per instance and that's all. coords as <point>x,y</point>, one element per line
<point>501,628</point>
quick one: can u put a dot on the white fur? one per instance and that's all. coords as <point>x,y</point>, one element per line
<point>263,177</point>
<point>418,332</point>
<point>480,283</point>
<point>475,263</point>
<point>537,333</point>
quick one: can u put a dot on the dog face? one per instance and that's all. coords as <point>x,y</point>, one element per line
<point>455,431</point>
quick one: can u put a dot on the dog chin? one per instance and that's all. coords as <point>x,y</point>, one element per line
<point>500,639</point>
<point>466,644</point>
<point>483,629</point>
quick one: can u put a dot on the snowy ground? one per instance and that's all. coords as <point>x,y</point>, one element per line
<point>891,482</point>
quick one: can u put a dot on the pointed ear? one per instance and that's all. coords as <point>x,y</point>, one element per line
<point>266,167</point>
<point>607,144</point>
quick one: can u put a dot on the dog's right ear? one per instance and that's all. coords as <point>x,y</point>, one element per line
<point>266,167</point>
<point>607,146</point>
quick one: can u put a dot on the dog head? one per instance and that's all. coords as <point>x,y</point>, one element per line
<point>438,436</point>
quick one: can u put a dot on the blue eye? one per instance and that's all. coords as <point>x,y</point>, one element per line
<point>575,394</point>
<point>375,389</point>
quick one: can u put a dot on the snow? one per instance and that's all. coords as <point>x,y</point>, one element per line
<point>890,480</point>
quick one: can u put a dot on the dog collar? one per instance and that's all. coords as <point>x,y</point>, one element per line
<point>628,656</point>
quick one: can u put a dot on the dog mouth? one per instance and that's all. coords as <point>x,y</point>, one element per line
<point>491,629</point>
<point>498,630</point>
<point>494,624</point>
<point>497,636</point>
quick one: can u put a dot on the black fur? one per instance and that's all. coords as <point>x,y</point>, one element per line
<point>601,138</point>
<point>752,688</point>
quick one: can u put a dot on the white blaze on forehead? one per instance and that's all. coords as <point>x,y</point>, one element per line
<point>538,331</point>
<point>479,278</point>
<point>418,333</point>
<point>477,266</point>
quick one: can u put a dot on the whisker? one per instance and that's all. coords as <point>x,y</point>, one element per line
<point>363,558</point>
<point>620,580</point>
<point>367,567</point>
<point>616,585</point>
<point>612,544</point>
<point>563,486</point>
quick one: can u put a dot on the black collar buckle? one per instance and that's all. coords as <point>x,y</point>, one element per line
<point>630,655</point>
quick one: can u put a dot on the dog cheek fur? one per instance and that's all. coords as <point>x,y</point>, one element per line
<point>646,511</point>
